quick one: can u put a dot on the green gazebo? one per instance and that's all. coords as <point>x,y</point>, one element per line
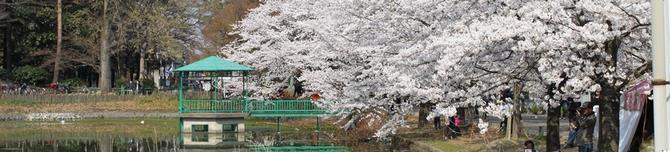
<point>212,85</point>
<point>213,98</point>
<point>206,91</point>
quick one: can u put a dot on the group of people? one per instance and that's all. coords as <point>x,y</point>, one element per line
<point>453,129</point>
<point>582,118</point>
<point>582,125</point>
<point>60,87</point>
<point>135,87</point>
<point>23,89</point>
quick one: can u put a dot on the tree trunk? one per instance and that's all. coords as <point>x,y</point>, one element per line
<point>105,67</point>
<point>106,144</point>
<point>516,112</point>
<point>609,119</point>
<point>608,135</point>
<point>59,35</point>
<point>143,71</point>
<point>553,136</point>
<point>423,113</point>
<point>508,127</point>
<point>128,70</point>
<point>122,73</point>
<point>54,147</point>
<point>8,50</point>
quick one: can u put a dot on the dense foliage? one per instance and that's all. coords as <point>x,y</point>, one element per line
<point>30,75</point>
<point>138,36</point>
<point>382,60</point>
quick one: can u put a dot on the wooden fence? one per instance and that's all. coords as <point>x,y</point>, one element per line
<point>82,97</point>
<point>60,98</point>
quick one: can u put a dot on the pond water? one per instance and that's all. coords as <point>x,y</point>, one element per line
<point>162,135</point>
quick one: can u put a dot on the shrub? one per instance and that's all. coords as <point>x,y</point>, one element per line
<point>31,75</point>
<point>121,82</point>
<point>74,82</point>
<point>535,109</point>
<point>4,74</point>
<point>148,84</point>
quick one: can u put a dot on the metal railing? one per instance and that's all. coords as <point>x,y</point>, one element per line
<point>257,108</point>
<point>283,106</point>
<point>225,106</point>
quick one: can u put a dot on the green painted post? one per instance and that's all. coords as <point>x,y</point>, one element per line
<point>181,131</point>
<point>278,131</point>
<point>317,129</point>
<point>276,106</point>
<point>216,92</point>
<point>244,92</point>
<point>317,124</point>
<point>181,92</point>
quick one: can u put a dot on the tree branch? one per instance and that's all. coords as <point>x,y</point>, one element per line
<point>629,15</point>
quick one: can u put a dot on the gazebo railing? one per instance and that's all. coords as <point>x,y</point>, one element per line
<point>256,108</point>
<point>223,106</point>
<point>286,108</point>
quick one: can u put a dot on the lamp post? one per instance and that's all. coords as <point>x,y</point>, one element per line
<point>659,29</point>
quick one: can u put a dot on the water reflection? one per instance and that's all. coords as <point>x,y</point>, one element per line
<point>213,141</point>
<point>247,141</point>
<point>101,144</point>
<point>256,140</point>
<point>83,137</point>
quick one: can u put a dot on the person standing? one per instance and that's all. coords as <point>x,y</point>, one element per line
<point>503,125</point>
<point>572,135</point>
<point>452,127</point>
<point>447,128</point>
<point>586,122</point>
<point>436,123</point>
<point>564,109</point>
<point>457,124</point>
<point>573,107</point>
<point>529,146</point>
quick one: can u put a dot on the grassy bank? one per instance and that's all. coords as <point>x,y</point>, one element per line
<point>470,140</point>
<point>132,127</point>
<point>454,146</point>
<point>153,103</point>
<point>89,128</point>
<point>494,144</point>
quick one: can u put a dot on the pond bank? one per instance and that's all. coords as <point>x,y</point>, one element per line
<point>149,104</point>
<point>85,115</point>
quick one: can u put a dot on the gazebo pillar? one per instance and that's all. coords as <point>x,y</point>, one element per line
<point>244,92</point>
<point>181,92</point>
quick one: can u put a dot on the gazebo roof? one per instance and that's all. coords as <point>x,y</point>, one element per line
<point>213,63</point>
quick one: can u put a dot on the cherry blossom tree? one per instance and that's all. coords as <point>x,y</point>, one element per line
<point>381,60</point>
<point>560,49</point>
<point>350,52</point>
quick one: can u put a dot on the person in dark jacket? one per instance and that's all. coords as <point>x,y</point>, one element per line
<point>586,121</point>
<point>572,135</point>
<point>572,119</point>
<point>529,146</point>
<point>453,127</point>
